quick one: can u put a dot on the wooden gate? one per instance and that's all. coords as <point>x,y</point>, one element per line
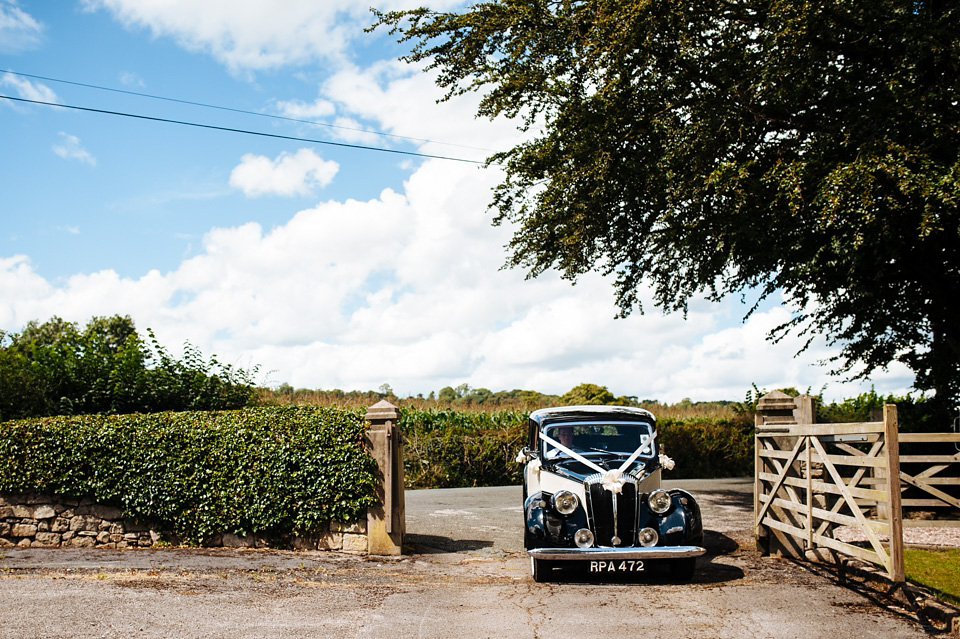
<point>812,478</point>
<point>929,478</point>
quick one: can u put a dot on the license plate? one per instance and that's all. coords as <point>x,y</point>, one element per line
<point>622,565</point>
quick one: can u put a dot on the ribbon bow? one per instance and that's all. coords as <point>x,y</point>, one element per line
<point>613,481</point>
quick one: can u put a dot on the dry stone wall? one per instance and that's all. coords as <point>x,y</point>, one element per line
<point>42,521</point>
<point>39,521</point>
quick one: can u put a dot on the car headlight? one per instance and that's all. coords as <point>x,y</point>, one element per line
<point>565,502</point>
<point>648,537</point>
<point>583,538</point>
<point>659,501</point>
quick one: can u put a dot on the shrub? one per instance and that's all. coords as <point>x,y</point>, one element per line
<point>268,471</point>
<point>55,368</point>
<point>449,449</point>
<point>707,448</point>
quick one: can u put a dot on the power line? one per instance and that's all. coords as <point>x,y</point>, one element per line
<point>243,131</point>
<point>243,111</point>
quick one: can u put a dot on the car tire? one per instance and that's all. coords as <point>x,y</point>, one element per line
<point>542,569</point>
<point>682,570</point>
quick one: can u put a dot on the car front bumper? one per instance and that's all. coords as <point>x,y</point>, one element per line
<point>580,554</point>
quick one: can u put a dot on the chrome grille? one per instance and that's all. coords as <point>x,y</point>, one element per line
<point>601,509</point>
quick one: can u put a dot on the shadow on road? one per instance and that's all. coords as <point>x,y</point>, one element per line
<point>735,498</point>
<point>717,543</point>
<point>432,544</point>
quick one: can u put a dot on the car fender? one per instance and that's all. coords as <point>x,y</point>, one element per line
<point>547,528</point>
<point>682,525</point>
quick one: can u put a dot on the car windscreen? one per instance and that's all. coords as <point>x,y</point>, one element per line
<point>599,437</point>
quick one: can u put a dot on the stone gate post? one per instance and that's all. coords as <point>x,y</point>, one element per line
<point>386,524</point>
<point>776,408</point>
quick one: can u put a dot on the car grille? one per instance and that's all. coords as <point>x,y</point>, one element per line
<point>600,508</point>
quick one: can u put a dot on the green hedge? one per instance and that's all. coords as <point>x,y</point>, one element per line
<point>266,471</point>
<point>707,448</point>
<point>450,449</point>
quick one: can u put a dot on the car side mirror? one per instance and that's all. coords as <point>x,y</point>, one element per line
<point>525,455</point>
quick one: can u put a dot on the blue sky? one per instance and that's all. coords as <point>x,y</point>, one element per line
<point>327,267</point>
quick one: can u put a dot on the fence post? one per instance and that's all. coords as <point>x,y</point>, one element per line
<point>773,409</point>
<point>386,520</point>
<point>759,532</point>
<point>891,443</point>
<point>805,412</point>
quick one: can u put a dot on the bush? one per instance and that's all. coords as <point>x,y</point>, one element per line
<point>55,368</point>
<point>451,449</point>
<point>706,449</point>
<point>269,471</point>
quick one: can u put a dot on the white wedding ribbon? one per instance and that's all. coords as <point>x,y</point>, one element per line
<point>612,480</point>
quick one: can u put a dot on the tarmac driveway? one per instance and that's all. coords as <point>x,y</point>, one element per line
<point>466,575</point>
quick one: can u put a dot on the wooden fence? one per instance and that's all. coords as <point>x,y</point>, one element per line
<point>808,483</point>
<point>814,481</point>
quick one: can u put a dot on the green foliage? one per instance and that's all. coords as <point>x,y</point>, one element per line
<point>268,471</point>
<point>55,368</point>
<point>466,397</point>
<point>707,448</point>
<point>914,414</point>
<point>448,449</point>
<point>719,147</point>
<point>463,397</point>
<point>592,394</point>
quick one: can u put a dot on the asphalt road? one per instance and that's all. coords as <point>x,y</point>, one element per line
<point>466,575</point>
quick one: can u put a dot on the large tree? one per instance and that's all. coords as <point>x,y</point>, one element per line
<point>710,147</point>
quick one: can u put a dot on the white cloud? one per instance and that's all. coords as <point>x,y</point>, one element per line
<point>300,110</point>
<point>131,79</point>
<point>401,98</point>
<point>19,31</point>
<point>255,34</point>
<point>289,174</point>
<point>70,148</point>
<point>406,289</point>
<point>27,89</point>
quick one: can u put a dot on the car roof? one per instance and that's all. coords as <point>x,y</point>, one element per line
<point>546,416</point>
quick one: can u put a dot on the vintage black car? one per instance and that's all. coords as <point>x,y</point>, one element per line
<point>592,494</point>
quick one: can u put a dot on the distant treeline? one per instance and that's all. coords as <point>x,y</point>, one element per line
<point>466,398</point>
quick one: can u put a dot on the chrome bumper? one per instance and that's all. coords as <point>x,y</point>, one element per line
<point>654,552</point>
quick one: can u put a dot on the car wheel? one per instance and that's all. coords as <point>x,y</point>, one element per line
<point>541,569</point>
<point>683,569</point>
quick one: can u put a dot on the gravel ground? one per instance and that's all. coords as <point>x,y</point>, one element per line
<point>939,537</point>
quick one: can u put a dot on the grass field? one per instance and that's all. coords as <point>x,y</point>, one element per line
<point>938,570</point>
